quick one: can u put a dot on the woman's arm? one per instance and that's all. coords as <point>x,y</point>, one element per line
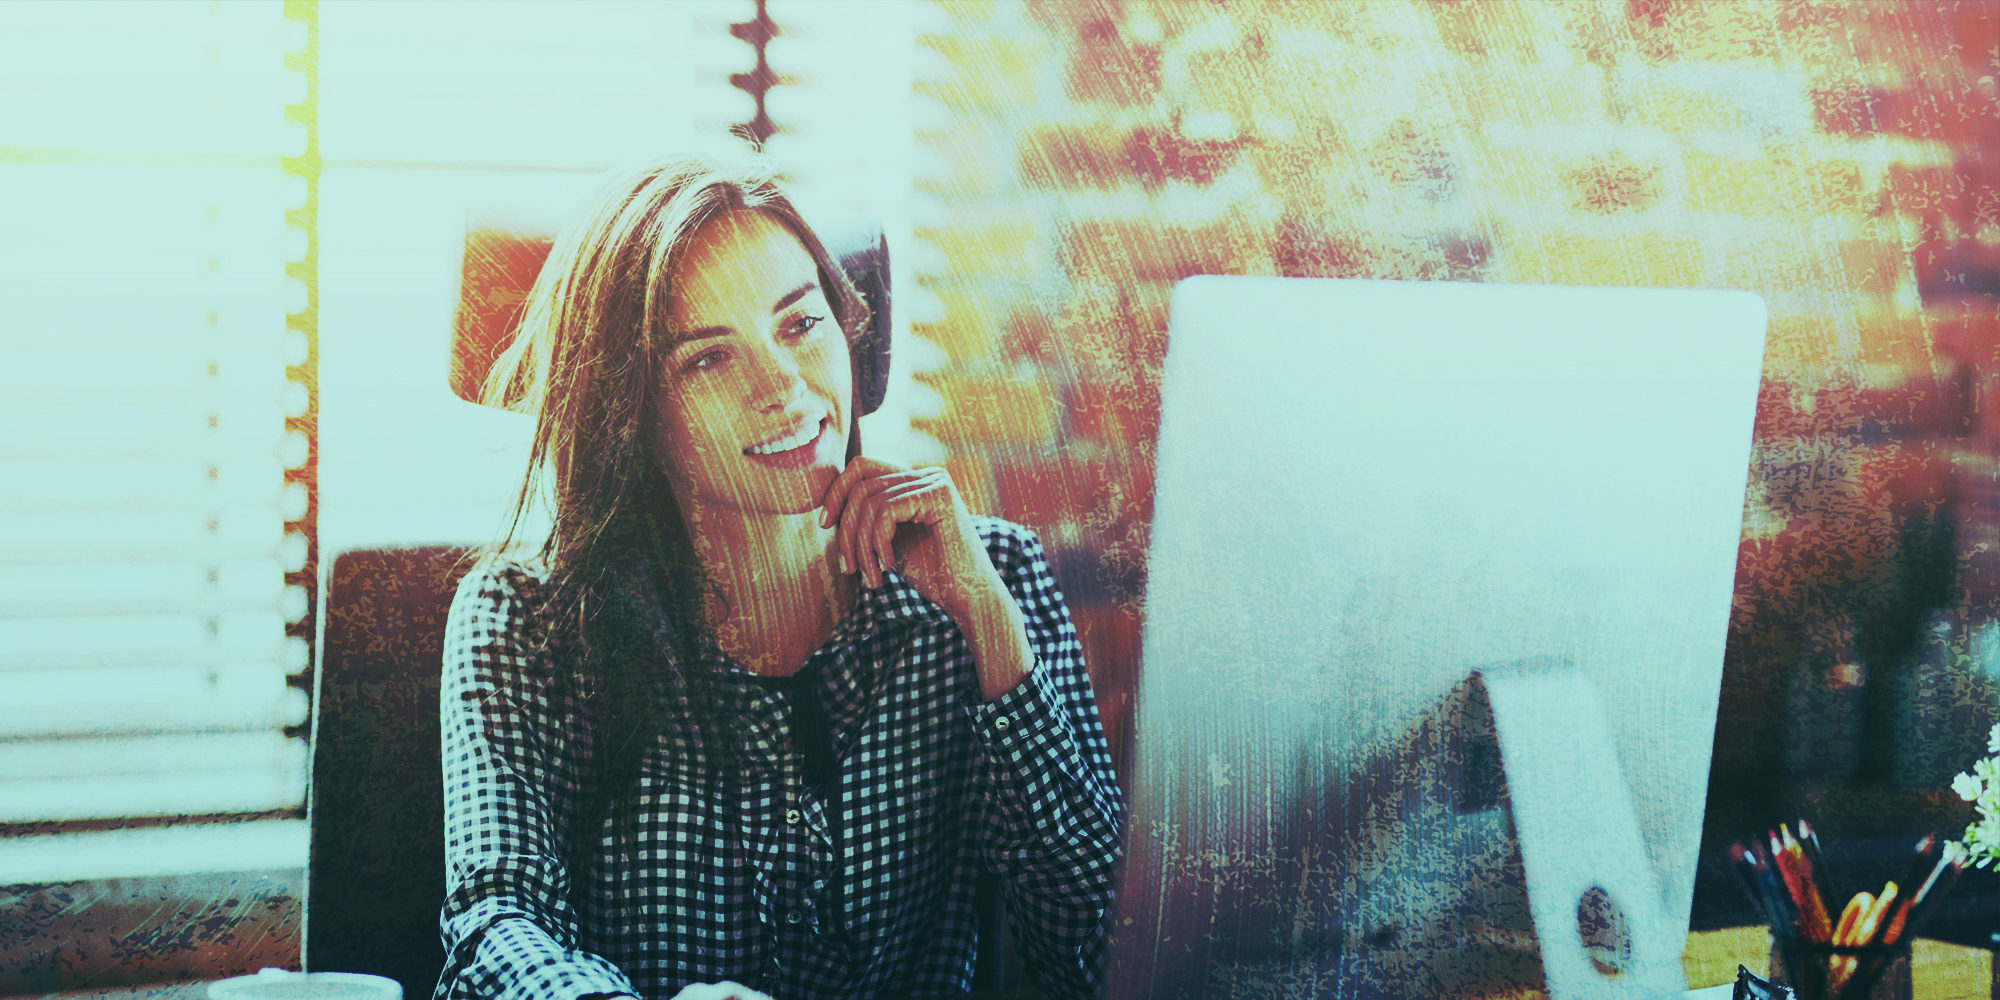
<point>509,779</point>
<point>1054,815</point>
<point>997,634</point>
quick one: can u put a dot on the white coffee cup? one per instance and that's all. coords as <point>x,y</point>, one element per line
<point>280,984</point>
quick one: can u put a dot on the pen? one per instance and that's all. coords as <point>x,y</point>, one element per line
<point>1932,894</point>
<point>1745,868</point>
<point>1920,866</point>
<point>1809,914</point>
<point>1784,921</point>
<point>1809,839</point>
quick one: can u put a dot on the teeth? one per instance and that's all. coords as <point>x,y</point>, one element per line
<point>797,438</point>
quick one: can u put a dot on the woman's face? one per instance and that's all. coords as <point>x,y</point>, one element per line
<point>753,411</point>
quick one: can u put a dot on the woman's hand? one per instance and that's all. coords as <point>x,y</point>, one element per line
<point>914,522</point>
<point>724,990</point>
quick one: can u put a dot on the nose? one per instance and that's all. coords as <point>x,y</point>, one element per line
<point>775,379</point>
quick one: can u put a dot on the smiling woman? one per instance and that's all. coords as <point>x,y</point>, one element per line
<point>758,710</point>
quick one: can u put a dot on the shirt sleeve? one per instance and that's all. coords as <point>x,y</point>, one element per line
<point>509,779</point>
<point>1055,813</point>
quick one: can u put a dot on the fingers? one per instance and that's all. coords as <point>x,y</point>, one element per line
<point>881,530</point>
<point>835,500</point>
<point>869,512</point>
<point>855,518</point>
<point>859,470</point>
<point>918,499</point>
<point>874,525</point>
<point>837,503</point>
<point>724,990</point>
<point>866,502</point>
<point>899,502</point>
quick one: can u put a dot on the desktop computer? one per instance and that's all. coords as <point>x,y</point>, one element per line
<point>1435,612</point>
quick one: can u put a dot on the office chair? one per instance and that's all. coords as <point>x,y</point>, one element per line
<point>375,881</point>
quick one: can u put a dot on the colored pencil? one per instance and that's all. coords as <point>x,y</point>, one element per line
<point>1932,895</point>
<point>1812,918</point>
<point>1809,839</point>
<point>1785,923</point>
<point>1744,864</point>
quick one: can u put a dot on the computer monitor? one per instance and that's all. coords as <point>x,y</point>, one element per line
<point>1366,491</point>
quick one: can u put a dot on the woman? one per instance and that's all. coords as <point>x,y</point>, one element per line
<point>760,711</point>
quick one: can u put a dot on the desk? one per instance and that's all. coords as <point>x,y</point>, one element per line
<point>194,989</point>
<point>1939,970</point>
<point>199,991</point>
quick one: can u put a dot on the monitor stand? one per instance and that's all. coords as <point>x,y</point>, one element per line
<point>1593,893</point>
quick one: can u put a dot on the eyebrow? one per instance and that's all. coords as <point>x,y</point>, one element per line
<point>709,332</point>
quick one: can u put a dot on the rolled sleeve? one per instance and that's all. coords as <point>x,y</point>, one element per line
<point>507,927</point>
<point>514,957</point>
<point>1056,815</point>
<point>1025,727</point>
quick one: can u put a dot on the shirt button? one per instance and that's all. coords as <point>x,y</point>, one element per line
<point>793,917</point>
<point>1002,722</point>
<point>793,816</point>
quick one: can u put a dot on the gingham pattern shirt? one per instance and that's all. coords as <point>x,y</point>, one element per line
<point>701,875</point>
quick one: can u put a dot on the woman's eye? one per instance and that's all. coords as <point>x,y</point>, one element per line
<point>706,359</point>
<point>802,327</point>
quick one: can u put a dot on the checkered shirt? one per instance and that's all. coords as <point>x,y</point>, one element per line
<point>704,873</point>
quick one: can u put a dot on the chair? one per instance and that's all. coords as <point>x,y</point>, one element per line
<point>375,880</point>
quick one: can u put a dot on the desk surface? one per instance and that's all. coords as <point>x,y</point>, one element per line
<point>189,990</point>
<point>199,990</point>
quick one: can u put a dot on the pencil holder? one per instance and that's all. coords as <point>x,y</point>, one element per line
<point>1817,971</point>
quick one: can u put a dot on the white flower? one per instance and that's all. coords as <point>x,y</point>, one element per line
<point>1967,787</point>
<point>1984,835</point>
<point>1993,739</point>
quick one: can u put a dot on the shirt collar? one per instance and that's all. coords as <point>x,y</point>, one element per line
<point>844,679</point>
<point>896,600</point>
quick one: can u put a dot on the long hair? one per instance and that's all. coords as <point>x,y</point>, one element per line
<point>587,362</point>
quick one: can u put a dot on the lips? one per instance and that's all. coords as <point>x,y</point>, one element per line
<point>797,437</point>
<point>796,449</point>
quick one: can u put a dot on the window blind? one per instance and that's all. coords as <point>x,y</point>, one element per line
<point>143,390</point>
<point>143,337</point>
<point>846,114</point>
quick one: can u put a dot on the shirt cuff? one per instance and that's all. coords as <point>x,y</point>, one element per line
<point>533,965</point>
<point>1024,719</point>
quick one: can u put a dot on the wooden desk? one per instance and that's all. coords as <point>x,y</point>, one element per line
<point>196,989</point>
<point>1938,970</point>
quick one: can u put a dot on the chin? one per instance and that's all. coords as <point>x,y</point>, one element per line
<point>800,493</point>
<point>818,478</point>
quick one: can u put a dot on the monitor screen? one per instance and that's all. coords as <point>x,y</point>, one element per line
<point>1366,491</point>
